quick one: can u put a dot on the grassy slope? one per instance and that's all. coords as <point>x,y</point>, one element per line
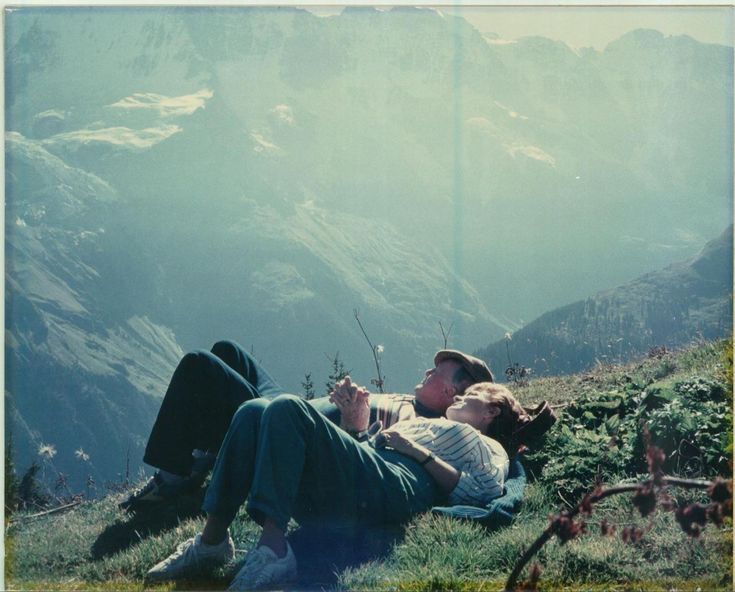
<point>96,546</point>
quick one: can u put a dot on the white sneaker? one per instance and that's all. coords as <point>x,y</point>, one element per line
<point>263,569</point>
<point>192,557</point>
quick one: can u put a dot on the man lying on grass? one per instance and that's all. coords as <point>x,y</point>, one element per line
<point>288,460</point>
<point>207,388</point>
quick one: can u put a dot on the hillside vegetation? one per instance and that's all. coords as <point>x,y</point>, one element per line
<point>684,397</point>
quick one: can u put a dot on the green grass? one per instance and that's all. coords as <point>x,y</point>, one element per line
<point>95,546</point>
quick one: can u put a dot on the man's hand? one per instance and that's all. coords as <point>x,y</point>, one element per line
<point>353,402</point>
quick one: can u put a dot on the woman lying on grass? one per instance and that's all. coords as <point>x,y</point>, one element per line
<point>288,461</point>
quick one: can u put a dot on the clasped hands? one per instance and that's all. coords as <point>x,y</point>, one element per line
<point>353,402</point>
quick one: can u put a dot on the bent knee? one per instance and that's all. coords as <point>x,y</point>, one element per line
<point>195,358</point>
<point>285,404</point>
<point>250,410</point>
<point>225,347</point>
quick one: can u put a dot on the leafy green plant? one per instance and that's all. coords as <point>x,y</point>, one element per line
<point>692,421</point>
<point>598,435</point>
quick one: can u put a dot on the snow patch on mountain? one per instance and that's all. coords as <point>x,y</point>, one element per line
<point>482,123</point>
<point>165,106</point>
<point>532,152</point>
<point>281,286</point>
<point>56,113</point>
<point>46,180</point>
<point>511,112</point>
<point>262,144</point>
<point>284,114</point>
<point>123,137</point>
<point>498,41</point>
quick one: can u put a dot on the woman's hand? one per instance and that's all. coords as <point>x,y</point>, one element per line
<point>445,475</point>
<point>353,402</point>
<point>400,443</point>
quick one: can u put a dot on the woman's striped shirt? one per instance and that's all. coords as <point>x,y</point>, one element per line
<point>481,461</point>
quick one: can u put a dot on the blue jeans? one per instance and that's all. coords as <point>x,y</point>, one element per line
<point>289,460</point>
<point>205,391</point>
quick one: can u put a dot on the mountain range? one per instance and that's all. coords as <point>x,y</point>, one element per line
<point>175,176</point>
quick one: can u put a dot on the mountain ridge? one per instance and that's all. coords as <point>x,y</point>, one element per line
<point>670,308</point>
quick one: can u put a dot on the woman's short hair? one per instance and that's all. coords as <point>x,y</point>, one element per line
<point>510,419</point>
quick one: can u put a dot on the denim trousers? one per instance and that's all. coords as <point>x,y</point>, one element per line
<point>206,389</point>
<point>288,460</point>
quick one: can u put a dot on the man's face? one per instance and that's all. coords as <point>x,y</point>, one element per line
<point>437,391</point>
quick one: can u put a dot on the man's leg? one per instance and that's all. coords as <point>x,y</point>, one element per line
<point>233,471</point>
<point>291,460</point>
<point>248,367</point>
<point>196,411</point>
<point>229,486</point>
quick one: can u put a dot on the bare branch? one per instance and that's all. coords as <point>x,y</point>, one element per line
<point>52,510</point>
<point>445,334</point>
<point>380,380</point>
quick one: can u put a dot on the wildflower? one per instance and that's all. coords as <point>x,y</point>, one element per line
<point>631,534</point>
<point>534,575</point>
<point>645,499</point>
<point>565,528</point>
<point>714,513</point>
<point>607,529</point>
<point>508,337</point>
<point>81,455</point>
<point>666,502</point>
<point>655,457</point>
<point>379,349</point>
<point>720,490</point>
<point>47,451</point>
<point>586,503</point>
<point>691,518</point>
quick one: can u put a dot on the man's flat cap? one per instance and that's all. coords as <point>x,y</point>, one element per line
<point>475,367</point>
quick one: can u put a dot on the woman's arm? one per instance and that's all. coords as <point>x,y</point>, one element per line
<point>444,474</point>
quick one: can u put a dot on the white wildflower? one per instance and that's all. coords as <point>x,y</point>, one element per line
<point>379,349</point>
<point>47,451</point>
<point>508,336</point>
<point>81,455</point>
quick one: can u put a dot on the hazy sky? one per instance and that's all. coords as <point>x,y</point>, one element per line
<point>594,26</point>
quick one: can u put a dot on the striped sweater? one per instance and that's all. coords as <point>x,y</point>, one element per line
<point>481,461</point>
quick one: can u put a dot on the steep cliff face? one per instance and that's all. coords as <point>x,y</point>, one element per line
<point>81,371</point>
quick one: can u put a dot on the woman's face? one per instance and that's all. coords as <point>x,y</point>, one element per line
<point>473,408</point>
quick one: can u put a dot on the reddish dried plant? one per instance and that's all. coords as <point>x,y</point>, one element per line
<point>607,529</point>
<point>531,584</point>
<point>631,534</point>
<point>692,518</point>
<point>646,497</point>
<point>564,527</point>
